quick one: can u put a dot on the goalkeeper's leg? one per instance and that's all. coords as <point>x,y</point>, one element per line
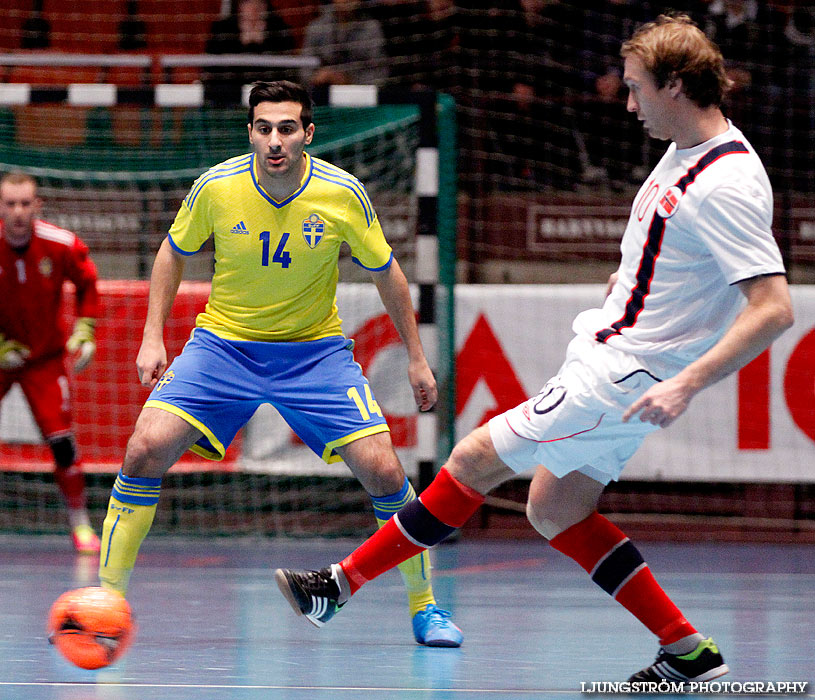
<point>158,441</point>
<point>375,464</point>
<point>71,481</point>
<point>47,389</point>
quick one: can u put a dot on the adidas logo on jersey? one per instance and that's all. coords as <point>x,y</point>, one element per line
<point>240,228</point>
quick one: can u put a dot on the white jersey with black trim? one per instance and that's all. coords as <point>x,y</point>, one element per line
<point>701,223</point>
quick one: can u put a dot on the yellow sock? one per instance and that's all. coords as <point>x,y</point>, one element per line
<point>416,577</point>
<point>416,570</point>
<point>131,510</point>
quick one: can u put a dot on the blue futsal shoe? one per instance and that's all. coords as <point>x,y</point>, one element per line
<point>433,628</point>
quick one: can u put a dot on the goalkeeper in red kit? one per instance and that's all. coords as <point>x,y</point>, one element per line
<point>36,258</point>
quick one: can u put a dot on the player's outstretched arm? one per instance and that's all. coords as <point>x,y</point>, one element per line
<point>767,315</point>
<point>395,294</point>
<point>168,270</point>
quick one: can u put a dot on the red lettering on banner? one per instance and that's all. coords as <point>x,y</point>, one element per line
<point>754,404</point>
<point>799,384</point>
<point>370,338</point>
<point>482,357</point>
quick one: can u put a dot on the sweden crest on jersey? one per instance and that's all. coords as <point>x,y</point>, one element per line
<point>313,229</point>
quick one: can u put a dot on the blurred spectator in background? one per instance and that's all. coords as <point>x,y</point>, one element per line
<point>610,137</point>
<point>420,42</point>
<point>758,55</point>
<point>132,29</point>
<point>253,27</point>
<point>801,28</point>
<point>36,30</point>
<point>607,23</point>
<point>488,33</point>
<point>695,9</point>
<point>350,45</point>
<point>734,26</point>
<point>534,141</point>
<point>800,31</point>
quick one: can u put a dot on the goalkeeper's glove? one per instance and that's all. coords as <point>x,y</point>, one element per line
<point>12,354</point>
<point>82,342</point>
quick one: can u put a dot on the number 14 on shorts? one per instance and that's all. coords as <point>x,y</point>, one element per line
<point>367,407</point>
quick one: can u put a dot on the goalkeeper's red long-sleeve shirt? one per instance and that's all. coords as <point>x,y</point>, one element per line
<point>31,280</point>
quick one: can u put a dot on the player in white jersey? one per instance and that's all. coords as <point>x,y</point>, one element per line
<point>682,241</point>
<point>699,293</point>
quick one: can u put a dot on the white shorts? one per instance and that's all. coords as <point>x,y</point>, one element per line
<point>575,422</point>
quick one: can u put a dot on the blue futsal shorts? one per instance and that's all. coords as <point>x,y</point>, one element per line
<point>217,385</point>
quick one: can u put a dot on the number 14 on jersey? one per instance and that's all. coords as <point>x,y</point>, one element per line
<point>281,255</point>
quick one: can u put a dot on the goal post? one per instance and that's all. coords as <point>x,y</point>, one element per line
<point>116,174</point>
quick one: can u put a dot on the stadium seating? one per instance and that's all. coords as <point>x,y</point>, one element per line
<point>15,12</point>
<point>71,29</point>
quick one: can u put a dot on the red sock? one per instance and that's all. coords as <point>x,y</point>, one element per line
<point>616,565</point>
<point>441,508</point>
<point>71,482</point>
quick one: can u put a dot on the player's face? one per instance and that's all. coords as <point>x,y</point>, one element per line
<point>278,138</point>
<point>19,206</point>
<point>652,105</point>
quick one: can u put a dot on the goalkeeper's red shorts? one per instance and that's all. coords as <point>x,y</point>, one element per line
<point>45,385</point>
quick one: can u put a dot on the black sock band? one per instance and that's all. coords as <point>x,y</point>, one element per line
<point>616,567</point>
<point>420,525</point>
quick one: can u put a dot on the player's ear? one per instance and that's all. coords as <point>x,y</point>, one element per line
<point>249,128</point>
<point>309,133</point>
<point>674,85</point>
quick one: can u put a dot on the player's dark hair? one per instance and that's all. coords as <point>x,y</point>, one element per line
<point>673,46</point>
<point>281,91</point>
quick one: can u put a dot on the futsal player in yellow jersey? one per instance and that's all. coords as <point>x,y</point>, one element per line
<point>270,333</point>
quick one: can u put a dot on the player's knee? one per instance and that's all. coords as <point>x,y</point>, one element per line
<point>552,512</point>
<point>64,451</point>
<point>468,454</point>
<point>394,475</point>
<point>537,514</point>
<point>389,477</point>
<point>475,463</point>
<point>142,456</point>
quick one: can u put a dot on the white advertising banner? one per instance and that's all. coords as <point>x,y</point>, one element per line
<point>757,425</point>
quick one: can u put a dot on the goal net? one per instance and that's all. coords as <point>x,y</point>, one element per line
<point>116,176</point>
<point>549,161</point>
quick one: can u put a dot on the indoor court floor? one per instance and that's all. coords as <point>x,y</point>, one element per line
<point>212,623</point>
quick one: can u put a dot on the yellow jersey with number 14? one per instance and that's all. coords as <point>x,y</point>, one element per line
<point>276,262</point>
